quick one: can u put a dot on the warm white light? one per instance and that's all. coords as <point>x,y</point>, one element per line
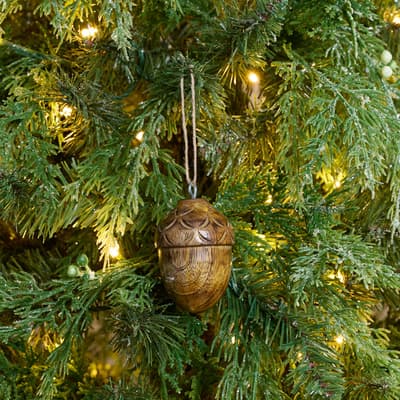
<point>253,77</point>
<point>140,136</point>
<point>338,180</point>
<point>339,339</point>
<point>89,32</point>
<point>332,275</point>
<point>269,199</point>
<point>395,20</point>
<point>262,237</point>
<point>337,184</point>
<point>66,111</point>
<point>338,275</point>
<point>341,277</point>
<point>114,250</point>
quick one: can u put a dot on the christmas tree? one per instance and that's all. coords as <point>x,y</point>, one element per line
<point>284,115</point>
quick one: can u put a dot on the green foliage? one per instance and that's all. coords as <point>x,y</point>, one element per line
<point>118,391</point>
<point>321,304</point>
<point>304,164</point>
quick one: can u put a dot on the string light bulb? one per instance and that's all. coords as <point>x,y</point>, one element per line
<point>66,111</point>
<point>262,238</point>
<point>113,251</point>
<point>392,16</point>
<point>396,20</point>
<point>341,277</point>
<point>138,139</point>
<point>337,184</point>
<point>254,90</point>
<point>338,180</point>
<point>269,199</point>
<point>253,78</point>
<point>339,339</point>
<point>332,276</point>
<point>139,136</point>
<point>89,32</point>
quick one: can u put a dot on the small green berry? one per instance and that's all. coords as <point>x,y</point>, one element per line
<point>72,271</point>
<point>386,72</point>
<point>386,56</point>
<point>82,260</point>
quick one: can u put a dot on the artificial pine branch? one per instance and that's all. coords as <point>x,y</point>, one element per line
<point>304,163</point>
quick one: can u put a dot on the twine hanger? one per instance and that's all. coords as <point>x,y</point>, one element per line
<point>192,182</point>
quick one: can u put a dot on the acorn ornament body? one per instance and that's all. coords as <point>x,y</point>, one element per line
<point>195,252</point>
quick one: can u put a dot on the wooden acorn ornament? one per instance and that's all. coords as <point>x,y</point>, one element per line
<point>195,240</point>
<point>195,252</point>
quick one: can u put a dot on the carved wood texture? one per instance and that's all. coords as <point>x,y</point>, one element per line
<point>195,251</point>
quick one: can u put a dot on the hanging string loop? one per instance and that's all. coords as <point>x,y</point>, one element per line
<point>191,181</point>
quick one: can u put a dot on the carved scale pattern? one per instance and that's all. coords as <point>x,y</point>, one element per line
<point>195,251</point>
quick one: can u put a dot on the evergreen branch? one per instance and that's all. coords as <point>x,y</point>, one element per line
<point>245,353</point>
<point>7,7</point>
<point>326,307</point>
<point>153,337</point>
<point>119,14</point>
<point>26,52</point>
<point>64,17</point>
<point>63,307</point>
<point>298,320</point>
<point>120,390</point>
<point>343,114</point>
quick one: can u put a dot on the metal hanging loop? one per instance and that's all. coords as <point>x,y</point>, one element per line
<point>192,182</point>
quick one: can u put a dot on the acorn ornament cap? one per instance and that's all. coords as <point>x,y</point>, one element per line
<point>195,252</point>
